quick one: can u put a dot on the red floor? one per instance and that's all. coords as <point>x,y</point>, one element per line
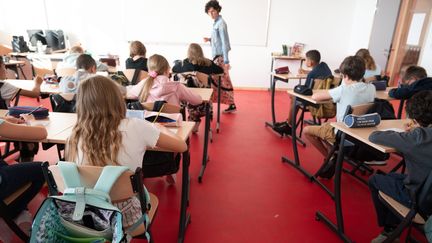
<point>247,194</point>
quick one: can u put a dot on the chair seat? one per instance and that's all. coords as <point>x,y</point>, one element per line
<point>401,209</point>
<point>154,202</point>
<point>16,194</point>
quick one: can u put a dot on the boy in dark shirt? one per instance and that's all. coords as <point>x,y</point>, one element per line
<point>416,145</point>
<point>414,80</point>
<point>319,70</point>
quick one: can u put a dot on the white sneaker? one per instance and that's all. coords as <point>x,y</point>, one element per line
<point>375,162</point>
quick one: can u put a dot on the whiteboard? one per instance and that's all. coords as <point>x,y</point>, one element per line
<point>171,21</point>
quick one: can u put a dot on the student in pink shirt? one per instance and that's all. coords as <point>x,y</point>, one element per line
<point>158,86</point>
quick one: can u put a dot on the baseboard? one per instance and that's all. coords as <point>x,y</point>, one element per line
<point>259,89</point>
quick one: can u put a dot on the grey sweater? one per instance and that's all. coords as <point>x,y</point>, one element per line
<point>416,147</point>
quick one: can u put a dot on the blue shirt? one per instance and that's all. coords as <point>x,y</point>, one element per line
<point>219,39</point>
<point>321,71</point>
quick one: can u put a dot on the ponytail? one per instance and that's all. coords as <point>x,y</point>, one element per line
<point>146,88</point>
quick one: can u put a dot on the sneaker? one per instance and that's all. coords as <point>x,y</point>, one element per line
<point>170,179</point>
<point>382,237</point>
<point>282,128</point>
<point>196,127</point>
<point>375,162</point>
<point>231,108</point>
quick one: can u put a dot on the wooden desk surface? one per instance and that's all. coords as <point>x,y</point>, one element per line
<point>383,94</point>
<point>362,134</point>
<point>58,122</point>
<point>289,76</point>
<point>288,58</point>
<point>205,93</point>
<point>29,84</point>
<point>14,63</point>
<point>307,98</point>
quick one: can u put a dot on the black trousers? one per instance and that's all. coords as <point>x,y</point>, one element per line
<point>392,185</point>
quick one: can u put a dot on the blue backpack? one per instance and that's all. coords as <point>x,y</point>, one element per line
<point>83,214</point>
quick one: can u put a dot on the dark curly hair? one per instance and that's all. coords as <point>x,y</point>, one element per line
<point>354,67</point>
<point>419,108</point>
<point>213,4</point>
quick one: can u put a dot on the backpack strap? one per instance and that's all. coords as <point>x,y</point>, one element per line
<point>108,177</point>
<point>135,76</point>
<point>70,174</point>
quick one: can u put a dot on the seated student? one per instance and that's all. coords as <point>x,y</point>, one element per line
<point>137,56</point>
<point>86,67</point>
<point>352,92</point>
<point>15,176</point>
<point>126,142</point>
<point>319,70</point>
<point>8,91</point>
<point>415,145</point>
<point>70,60</point>
<point>372,69</point>
<point>196,62</point>
<point>413,80</point>
<point>158,86</point>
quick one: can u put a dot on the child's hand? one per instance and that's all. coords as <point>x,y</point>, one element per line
<point>410,126</point>
<point>27,118</point>
<point>14,120</point>
<point>38,80</point>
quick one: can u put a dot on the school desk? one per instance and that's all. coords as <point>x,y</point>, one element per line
<point>29,84</point>
<point>362,135</point>
<point>16,65</point>
<point>275,58</point>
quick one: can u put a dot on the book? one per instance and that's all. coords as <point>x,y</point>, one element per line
<point>166,119</point>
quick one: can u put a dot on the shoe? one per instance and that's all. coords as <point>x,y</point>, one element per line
<point>170,179</point>
<point>231,108</point>
<point>196,127</point>
<point>24,221</point>
<point>382,237</point>
<point>375,162</point>
<point>282,128</point>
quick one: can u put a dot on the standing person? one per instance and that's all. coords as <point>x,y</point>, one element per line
<point>220,47</point>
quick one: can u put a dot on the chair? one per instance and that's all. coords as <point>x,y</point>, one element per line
<point>129,184</point>
<point>4,213</point>
<point>417,214</point>
<point>62,72</point>
<point>135,75</point>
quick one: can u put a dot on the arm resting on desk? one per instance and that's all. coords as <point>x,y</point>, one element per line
<point>401,141</point>
<point>170,141</point>
<point>321,95</point>
<point>15,131</point>
<point>400,93</point>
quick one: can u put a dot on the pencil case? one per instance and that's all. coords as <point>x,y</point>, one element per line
<point>40,113</point>
<point>367,120</point>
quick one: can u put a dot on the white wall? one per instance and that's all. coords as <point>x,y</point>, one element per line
<point>335,27</point>
<point>426,54</point>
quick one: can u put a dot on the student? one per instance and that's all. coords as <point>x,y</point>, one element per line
<point>351,92</point>
<point>15,176</point>
<point>104,136</point>
<point>372,69</point>
<point>415,145</point>
<point>196,62</point>
<point>137,56</point>
<point>8,91</point>
<point>70,60</point>
<point>159,87</point>
<point>86,67</point>
<point>220,44</point>
<point>319,70</point>
<point>413,80</point>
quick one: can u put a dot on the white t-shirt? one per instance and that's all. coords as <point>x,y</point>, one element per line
<point>353,94</point>
<point>8,91</point>
<point>137,135</point>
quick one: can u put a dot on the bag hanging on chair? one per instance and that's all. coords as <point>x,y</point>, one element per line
<point>327,110</point>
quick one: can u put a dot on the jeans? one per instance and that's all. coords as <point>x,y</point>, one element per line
<point>393,186</point>
<point>14,177</point>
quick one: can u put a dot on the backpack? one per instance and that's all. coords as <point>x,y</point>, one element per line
<point>190,80</point>
<point>157,163</point>
<point>327,110</point>
<point>3,104</point>
<point>82,214</point>
<point>60,104</point>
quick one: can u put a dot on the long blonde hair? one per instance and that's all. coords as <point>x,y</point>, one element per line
<point>196,56</point>
<point>155,63</point>
<point>369,61</point>
<point>100,108</point>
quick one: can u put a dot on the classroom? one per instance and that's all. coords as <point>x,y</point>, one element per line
<point>216,121</point>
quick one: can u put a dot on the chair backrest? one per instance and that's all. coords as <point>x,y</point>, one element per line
<point>62,72</point>
<point>121,190</point>
<point>359,109</point>
<point>42,71</point>
<point>167,108</point>
<point>424,197</point>
<point>129,73</point>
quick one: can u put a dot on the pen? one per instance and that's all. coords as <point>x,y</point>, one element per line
<point>34,110</point>
<point>158,113</point>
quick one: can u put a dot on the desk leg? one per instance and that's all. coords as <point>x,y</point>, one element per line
<point>271,76</point>
<point>218,104</point>
<point>339,228</point>
<point>272,91</point>
<point>184,215</point>
<point>401,105</point>
<point>22,72</point>
<point>206,140</point>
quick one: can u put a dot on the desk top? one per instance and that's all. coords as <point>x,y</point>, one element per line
<point>307,98</point>
<point>205,93</point>
<point>29,84</point>
<point>288,57</point>
<point>289,76</point>
<point>383,94</point>
<point>14,63</point>
<point>362,134</point>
